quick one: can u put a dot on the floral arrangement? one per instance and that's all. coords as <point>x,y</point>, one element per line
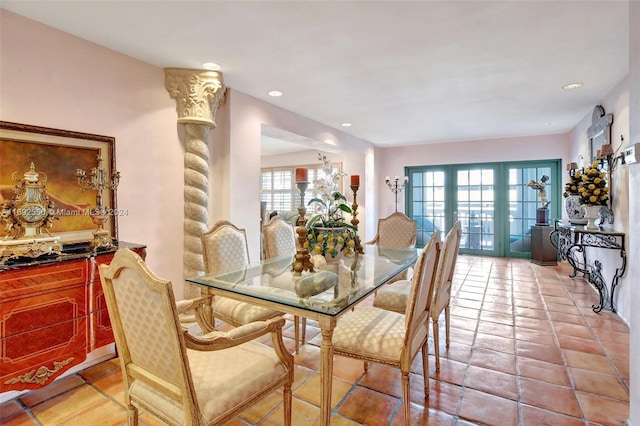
<point>571,187</point>
<point>327,231</point>
<point>592,187</point>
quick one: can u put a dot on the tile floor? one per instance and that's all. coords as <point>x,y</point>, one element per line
<point>526,349</point>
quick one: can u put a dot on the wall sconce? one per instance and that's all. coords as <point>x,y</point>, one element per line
<point>606,155</point>
<point>571,168</point>
<point>609,159</point>
<point>395,186</point>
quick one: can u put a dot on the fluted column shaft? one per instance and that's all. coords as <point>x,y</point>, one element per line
<point>198,95</point>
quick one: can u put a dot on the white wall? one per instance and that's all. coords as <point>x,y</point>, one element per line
<point>624,103</point>
<point>49,78</point>
<point>616,103</point>
<point>242,157</point>
<point>393,160</point>
<point>52,79</point>
<point>634,216</point>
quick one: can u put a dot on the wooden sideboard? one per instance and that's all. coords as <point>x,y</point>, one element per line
<point>52,314</point>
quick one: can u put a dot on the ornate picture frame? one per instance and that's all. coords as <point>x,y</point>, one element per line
<point>599,133</point>
<point>57,154</point>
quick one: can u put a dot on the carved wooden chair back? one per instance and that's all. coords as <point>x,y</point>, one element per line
<point>178,378</point>
<point>396,230</point>
<point>279,238</point>
<point>444,281</point>
<point>378,335</point>
<point>225,248</point>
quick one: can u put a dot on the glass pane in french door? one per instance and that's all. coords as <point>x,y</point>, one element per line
<point>475,208</point>
<point>523,202</point>
<point>428,203</point>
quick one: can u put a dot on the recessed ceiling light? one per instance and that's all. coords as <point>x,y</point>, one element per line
<point>550,123</point>
<point>211,66</point>
<point>346,124</point>
<point>572,86</point>
<point>274,93</point>
<point>384,141</point>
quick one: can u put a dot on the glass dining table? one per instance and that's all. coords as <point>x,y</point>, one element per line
<point>323,295</point>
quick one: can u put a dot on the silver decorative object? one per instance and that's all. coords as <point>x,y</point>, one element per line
<point>395,186</point>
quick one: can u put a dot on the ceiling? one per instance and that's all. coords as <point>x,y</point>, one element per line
<point>400,72</point>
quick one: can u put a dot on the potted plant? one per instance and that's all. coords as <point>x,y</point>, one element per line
<point>328,232</point>
<point>594,192</point>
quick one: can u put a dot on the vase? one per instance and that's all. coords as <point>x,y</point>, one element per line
<point>542,216</point>
<point>575,210</point>
<point>332,232</point>
<point>592,217</point>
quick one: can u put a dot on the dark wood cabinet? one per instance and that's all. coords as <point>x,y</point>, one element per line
<point>542,250</point>
<point>52,314</point>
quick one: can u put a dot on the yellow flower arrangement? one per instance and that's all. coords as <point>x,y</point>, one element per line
<point>571,187</point>
<point>592,186</point>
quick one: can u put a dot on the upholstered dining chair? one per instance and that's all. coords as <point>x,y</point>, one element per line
<point>378,335</point>
<point>394,297</point>
<point>396,230</point>
<point>280,240</point>
<point>444,281</point>
<point>179,378</point>
<point>224,247</point>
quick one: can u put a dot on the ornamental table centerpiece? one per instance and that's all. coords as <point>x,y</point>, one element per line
<point>572,199</point>
<point>594,192</point>
<point>329,235</point>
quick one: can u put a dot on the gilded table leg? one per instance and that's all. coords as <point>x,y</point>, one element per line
<point>327,325</point>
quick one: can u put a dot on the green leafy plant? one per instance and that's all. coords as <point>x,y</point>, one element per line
<point>334,206</point>
<point>328,232</point>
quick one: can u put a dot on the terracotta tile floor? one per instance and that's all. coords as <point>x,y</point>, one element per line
<point>526,349</point>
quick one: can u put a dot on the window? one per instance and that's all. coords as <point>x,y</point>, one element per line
<point>278,188</point>
<point>492,201</point>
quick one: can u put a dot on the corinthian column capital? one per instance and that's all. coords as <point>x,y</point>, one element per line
<point>198,94</point>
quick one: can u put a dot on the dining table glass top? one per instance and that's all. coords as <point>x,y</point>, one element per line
<point>330,290</point>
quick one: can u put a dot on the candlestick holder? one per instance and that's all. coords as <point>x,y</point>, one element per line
<point>354,220</point>
<point>98,181</point>
<point>302,259</point>
<point>396,187</point>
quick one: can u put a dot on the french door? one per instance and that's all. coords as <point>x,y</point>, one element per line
<point>492,201</point>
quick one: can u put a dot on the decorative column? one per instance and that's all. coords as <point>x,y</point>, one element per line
<point>198,94</point>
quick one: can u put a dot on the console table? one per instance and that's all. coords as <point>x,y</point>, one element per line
<point>571,242</point>
<point>53,314</point>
